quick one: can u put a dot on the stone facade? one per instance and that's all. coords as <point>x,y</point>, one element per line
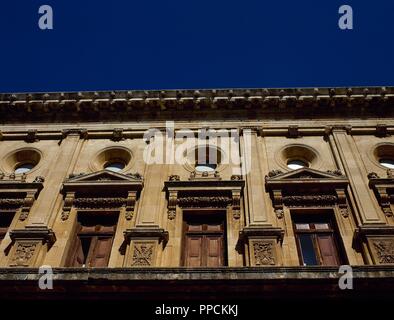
<point>342,135</point>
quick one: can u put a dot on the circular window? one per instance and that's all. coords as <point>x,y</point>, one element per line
<point>296,164</point>
<point>297,156</point>
<point>206,159</point>
<point>384,154</point>
<point>206,167</point>
<point>114,166</point>
<point>203,159</point>
<point>21,161</point>
<point>115,159</point>
<point>388,163</point>
<point>23,168</point>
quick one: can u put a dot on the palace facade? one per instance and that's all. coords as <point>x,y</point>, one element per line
<point>309,187</point>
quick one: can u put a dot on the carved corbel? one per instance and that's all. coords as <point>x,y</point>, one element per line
<point>236,195</point>
<point>293,131</point>
<point>278,203</point>
<point>342,202</point>
<point>172,202</point>
<point>26,206</point>
<point>381,130</point>
<point>68,203</point>
<point>117,134</point>
<point>31,136</point>
<point>384,200</point>
<point>130,204</point>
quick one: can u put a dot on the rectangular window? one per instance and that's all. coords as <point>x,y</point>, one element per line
<point>93,240</point>
<point>5,222</point>
<point>317,240</point>
<point>204,239</point>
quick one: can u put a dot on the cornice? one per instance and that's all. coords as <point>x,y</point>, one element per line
<point>156,104</point>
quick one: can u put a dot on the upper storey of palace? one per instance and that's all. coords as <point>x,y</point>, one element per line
<point>219,107</point>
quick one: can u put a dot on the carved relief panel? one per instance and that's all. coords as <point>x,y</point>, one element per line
<point>263,252</point>
<point>24,253</point>
<point>382,249</point>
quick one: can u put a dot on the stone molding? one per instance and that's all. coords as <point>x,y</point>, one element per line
<point>101,190</point>
<point>19,195</point>
<point>307,187</point>
<point>204,193</point>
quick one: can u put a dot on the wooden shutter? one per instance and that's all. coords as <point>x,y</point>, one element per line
<point>214,251</point>
<point>76,254</point>
<point>193,251</point>
<point>328,251</point>
<point>100,251</point>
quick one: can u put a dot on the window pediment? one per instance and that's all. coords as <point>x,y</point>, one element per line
<point>201,193</point>
<point>101,190</point>
<point>19,195</point>
<point>307,187</point>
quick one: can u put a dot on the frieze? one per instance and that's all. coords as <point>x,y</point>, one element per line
<point>306,200</point>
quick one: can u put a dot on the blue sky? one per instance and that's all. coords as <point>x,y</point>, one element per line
<point>174,44</point>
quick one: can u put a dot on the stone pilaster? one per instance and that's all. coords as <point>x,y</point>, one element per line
<point>152,200</point>
<point>254,168</point>
<point>57,171</point>
<point>367,208</point>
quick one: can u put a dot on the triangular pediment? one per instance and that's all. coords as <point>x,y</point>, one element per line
<point>105,175</point>
<point>305,173</point>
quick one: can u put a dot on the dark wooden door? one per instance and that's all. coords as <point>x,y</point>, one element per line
<point>204,241</point>
<point>93,243</point>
